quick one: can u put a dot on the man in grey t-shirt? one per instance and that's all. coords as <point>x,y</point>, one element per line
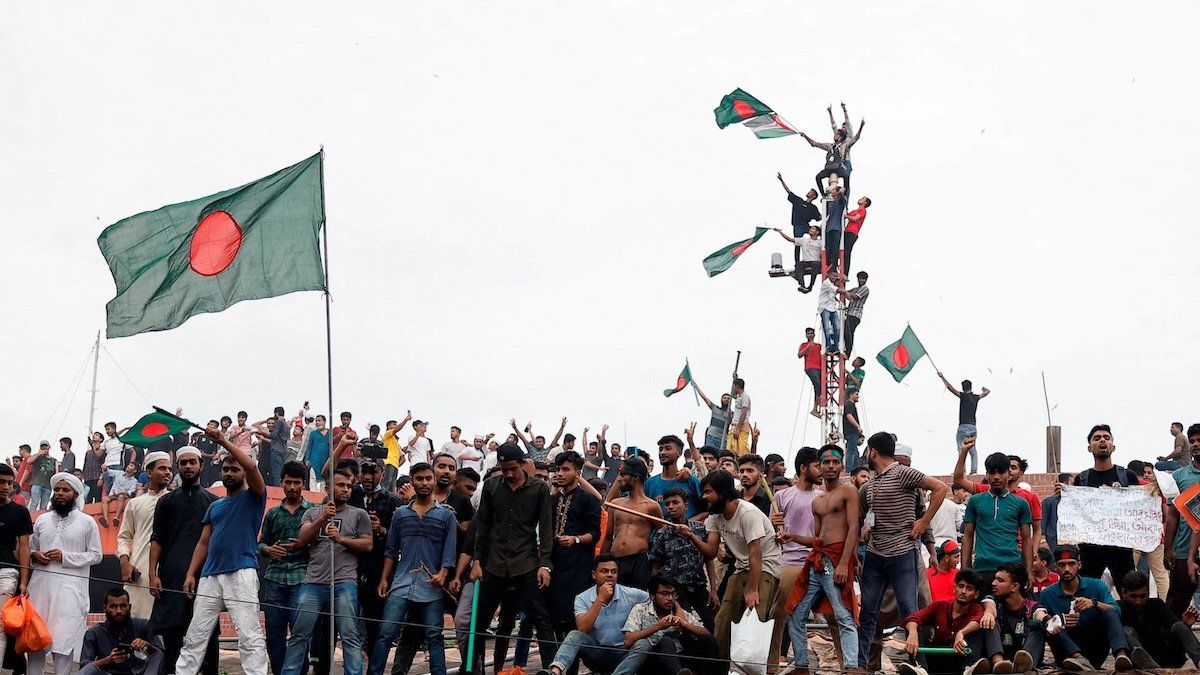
<point>336,533</point>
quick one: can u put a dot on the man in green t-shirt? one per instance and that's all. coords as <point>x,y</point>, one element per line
<point>995,521</point>
<point>44,467</point>
<point>856,376</point>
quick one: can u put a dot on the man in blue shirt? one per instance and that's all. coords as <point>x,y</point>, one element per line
<point>998,525</point>
<point>1089,617</point>
<point>600,615</point>
<point>670,448</point>
<point>421,543</point>
<point>226,562</point>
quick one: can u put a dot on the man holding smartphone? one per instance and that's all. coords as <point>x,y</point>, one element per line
<point>285,565</point>
<point>121,643</point>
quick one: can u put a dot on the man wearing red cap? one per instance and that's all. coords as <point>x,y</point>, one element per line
<point>941,575</point>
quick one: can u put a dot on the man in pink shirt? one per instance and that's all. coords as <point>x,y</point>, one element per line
<point>793,523</point>
<point>854,223</point>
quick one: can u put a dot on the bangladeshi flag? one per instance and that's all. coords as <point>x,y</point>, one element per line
<point>681,383</point>
<point>721,260</point>
<point>154,427</point>
<point>900,356</point>
<point>738,106</point>
<point>259,240</point>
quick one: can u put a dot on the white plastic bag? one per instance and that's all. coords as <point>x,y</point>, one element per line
<point>750,643</point>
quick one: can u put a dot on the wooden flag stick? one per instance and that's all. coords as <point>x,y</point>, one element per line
<point>635,512</point>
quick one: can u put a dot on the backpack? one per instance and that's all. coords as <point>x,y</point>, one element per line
<point>1125,477</point>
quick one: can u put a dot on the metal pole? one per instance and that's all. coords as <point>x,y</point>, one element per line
<point>725,433</point>
<point>329,385</point>
<point>1046,396</point>
<point>95,370</point>
<point>470,665</point>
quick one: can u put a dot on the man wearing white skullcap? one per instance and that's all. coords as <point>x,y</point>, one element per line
<point>64,546</point>
<point>133,539</point>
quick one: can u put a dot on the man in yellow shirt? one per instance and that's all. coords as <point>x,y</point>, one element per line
<point>392,461</point>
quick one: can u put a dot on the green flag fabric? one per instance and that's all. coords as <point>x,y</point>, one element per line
<point>738,106</point>
<point>154,427</point>
<point>259,240</point>
<point>719,261</point>
<point>900,356</point>
<point>681,383</point>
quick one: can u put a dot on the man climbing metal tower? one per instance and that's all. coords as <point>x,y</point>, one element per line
<point>837,153</point>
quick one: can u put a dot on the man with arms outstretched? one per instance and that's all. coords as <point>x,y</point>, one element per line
<point>968,401</point>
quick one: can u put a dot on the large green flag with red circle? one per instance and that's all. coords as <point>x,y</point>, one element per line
<point>154,427</point>
<point>720,260</point>
<point>900,356</point>
<point>259,240</point>
<point>681,382</point>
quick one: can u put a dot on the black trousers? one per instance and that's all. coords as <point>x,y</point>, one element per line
<point>833,247</point>
<point>1119,561</point>
<point>1182,588</point>
<point>695,598</point>
<point>826,173</point>
<point>851,325</point>
<point>848,240</point>
<point>173,643</point>
<point>1180,645</point>
<point>695,652</point>
<point>516,592</point>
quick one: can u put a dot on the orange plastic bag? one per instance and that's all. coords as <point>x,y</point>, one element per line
<point>12,616</point>
<point>515,670</point>
<point>35,636</point>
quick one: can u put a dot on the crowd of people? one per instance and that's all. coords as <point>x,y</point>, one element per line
<point>581,545</point>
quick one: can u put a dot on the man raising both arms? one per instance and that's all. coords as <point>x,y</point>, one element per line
<point>830,566</point>
<point>629,535</point>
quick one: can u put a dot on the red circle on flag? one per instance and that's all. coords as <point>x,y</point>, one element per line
<point>900,356</point>
<point>215,243</point>
<point>154,429</point>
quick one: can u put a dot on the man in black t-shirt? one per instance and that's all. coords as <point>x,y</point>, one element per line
<point>15,528</point>
<point>804,212</point>
<point>1157,638</point>
<point>1104,473</point>
<point>968,401</point>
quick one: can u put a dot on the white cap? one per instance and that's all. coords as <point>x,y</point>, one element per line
<point>903,450</point>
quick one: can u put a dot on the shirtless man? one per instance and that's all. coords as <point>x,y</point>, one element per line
<point>835,520</point>
<point>629,536</point>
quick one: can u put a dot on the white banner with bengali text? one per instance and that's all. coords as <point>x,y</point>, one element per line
<point>1126,517</point>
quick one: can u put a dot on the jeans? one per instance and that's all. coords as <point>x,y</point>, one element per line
<point>277,620</point>
<point>853,440</point>
<point>1181,644</point>
<point>831,324</point>
<point>833,247</point>
<point>1098,631</point>
<point>39,498</point>
<point>798,624</point>
<point>843,171</point>
<point>429,614</point>
<point>851,326</point>
<point>848,240</point>
<point>1167,465</point>
<point>671,654</point>
<point>814,374</point>
<point>314,598</point>
<point>965,430</point>
<point>879,572</point>
<point>580,645</point>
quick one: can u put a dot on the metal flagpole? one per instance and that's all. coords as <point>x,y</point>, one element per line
<point>725,433</point>
<point>329,385</point>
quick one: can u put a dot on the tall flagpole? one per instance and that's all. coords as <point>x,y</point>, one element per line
<point>329,385</point>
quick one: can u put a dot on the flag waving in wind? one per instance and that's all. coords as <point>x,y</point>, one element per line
<point>154,427</point>
<point>738,106</point>
<point>719,261</point>
<point>900,356</point>
<point>681,383</point>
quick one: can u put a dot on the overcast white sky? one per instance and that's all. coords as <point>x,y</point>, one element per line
<point>520,194</point>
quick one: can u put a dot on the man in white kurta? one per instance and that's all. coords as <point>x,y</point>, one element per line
<point>133,539</point>
<point>64,546</point>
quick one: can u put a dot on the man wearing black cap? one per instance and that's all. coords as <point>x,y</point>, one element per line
<point>1091,621</point>
<point>629,535</point>
<point>514,537</point>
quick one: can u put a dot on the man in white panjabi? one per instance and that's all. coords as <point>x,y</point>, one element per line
<point>64,546</point>
<point>133,539</point>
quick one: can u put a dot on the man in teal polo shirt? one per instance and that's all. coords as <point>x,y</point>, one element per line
<point>994,522</point>
<point>1178,557</point>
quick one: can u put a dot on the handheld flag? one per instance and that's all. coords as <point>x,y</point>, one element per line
<point>739,106</point>
<point>154,427</point>
<point>900,356</point>
<point>684,379</point>
<point>254,241</point>
<point>721,260</point>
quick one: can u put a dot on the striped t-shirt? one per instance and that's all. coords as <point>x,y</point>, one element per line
<point>892,496</point>
<point>855,305</point>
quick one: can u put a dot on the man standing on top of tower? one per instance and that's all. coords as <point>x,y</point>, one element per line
<point>837,153</point>
<point>968,401</point>
<point>714,435</point>
<point>854,223</point>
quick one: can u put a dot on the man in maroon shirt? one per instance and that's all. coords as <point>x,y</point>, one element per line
<point>814,365</point>
<point>953,623</point>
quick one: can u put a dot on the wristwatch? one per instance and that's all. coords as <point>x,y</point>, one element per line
<point>576,540</point>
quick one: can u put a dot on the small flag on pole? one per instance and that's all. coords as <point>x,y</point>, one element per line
<point>684,379</point>
<point>900,356</point>
<point>154,427</point>
<point>721,260</point>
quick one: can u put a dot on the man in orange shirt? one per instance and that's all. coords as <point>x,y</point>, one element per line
<point>854,223</point>
<point>814,364</point>
<point>941,575</point>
